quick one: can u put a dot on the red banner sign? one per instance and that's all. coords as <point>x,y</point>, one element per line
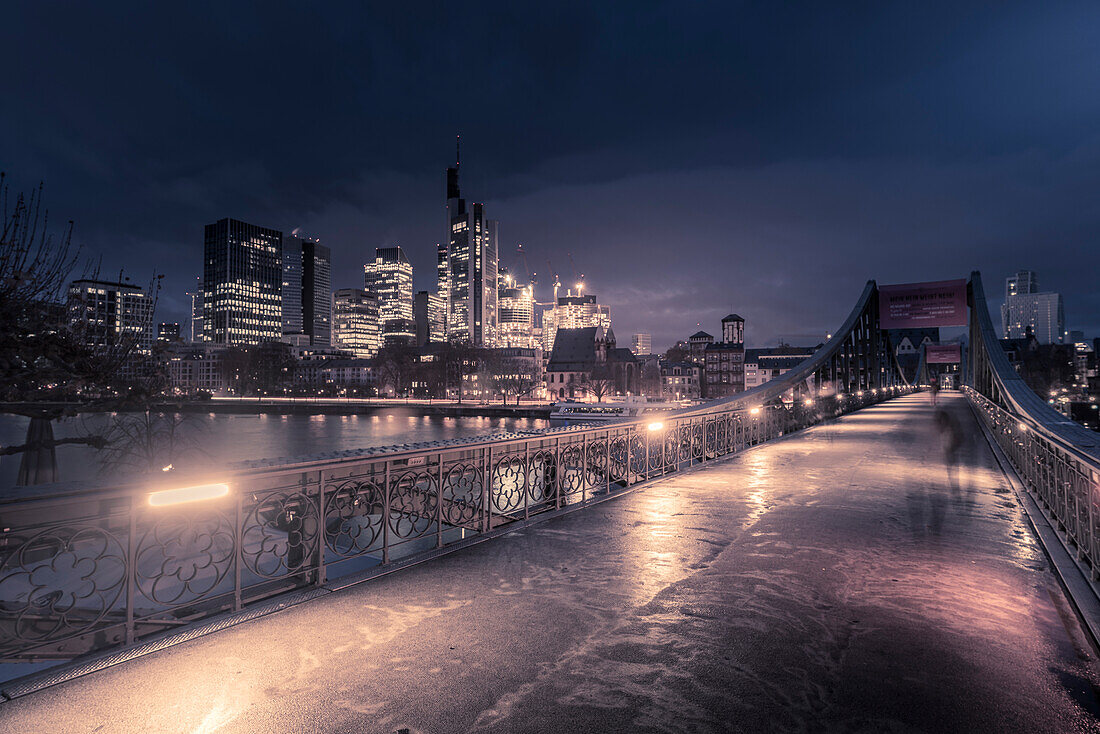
<point>942,353</point>
<point>922,305</point>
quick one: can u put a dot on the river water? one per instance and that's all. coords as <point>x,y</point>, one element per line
<point>213,440</point>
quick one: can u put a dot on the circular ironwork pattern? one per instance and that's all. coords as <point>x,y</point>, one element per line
<point>682,451</point>
<point>353,516</point>
<point>60,582</point>
<point>461,494</point>
<point>507,485</point>
<point>183,557</point>
<point>571,469</point>
<point>280,534</point>
<point>542,477</point>
<point>637,453</point>
<point>618,449</point>
<point>412,504</point>
<point>698,444</point>
<point>595,475</point>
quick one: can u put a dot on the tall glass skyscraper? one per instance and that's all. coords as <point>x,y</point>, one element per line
<point>1027,309</point>
<point>467,269</point>
<point>355,322</point>
<point>242,283</point>
<point>389,277</point>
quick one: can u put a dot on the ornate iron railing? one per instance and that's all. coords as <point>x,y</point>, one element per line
<point>1057,460</point>
<point>85,569</point>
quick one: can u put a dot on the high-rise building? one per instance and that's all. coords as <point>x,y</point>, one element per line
<point>356,326</point>
<point>642,344</point>
<point>104,313</point>
<point>467,269</point>
<point>196,310</point>
<point>516,314</point>
<point>242,283</point>
<point>430,316</point>
<point>1024,281</point>
<point>389,277</point>
<point>307,290</point>
<point>292,285</point>
<point>1026,308</point>
<point>1043,314</point>
<point>573,312</point>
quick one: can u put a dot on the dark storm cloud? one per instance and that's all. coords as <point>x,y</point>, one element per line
<point>694,159</point>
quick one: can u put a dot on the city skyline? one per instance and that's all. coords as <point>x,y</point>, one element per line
<point>919,157</point>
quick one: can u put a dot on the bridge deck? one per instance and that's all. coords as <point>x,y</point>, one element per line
<point>831,580</point>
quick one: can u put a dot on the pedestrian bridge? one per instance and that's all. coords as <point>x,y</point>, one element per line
<point>833,579</point>
<point>826,551</point>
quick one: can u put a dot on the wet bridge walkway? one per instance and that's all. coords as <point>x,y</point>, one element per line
<point>834,580</point>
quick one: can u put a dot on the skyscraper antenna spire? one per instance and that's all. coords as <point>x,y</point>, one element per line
<point>458,153</point>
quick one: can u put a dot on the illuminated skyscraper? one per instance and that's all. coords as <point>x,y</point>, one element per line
<point>643,344</point>
<point>573,312</point>
<point>516,314</point>
<point>355,322</point>
<point>242,283</point>
<point>389,277</point>
<point>307,289</point>
<point>467,269</point>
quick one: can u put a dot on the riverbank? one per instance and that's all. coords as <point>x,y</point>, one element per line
<point>317,406</point>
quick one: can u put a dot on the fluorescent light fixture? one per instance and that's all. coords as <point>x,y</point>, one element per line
<point>188,494</point>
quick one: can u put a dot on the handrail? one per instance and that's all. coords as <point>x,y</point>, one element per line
<point>1013,392</point>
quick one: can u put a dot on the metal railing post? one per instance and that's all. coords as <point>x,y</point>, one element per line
<point>558,471</point>
<point>131,572</point>
<point>629,455</point>
<point>439,505</point>
<point>238,551</point>
<point>487,474</point>
<point>320,527</point>
<point>386,514</point>
<point>607,451</point>
<point>584,468</point>
<point>526,479</point>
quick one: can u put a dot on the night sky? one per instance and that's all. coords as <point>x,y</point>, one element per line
<point>694,159</point>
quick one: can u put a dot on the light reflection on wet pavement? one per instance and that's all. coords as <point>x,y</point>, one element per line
<point>834,580</point>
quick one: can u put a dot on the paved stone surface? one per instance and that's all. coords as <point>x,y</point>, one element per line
<point>830,581</point>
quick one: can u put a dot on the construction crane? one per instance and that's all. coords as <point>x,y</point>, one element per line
<point>523,255</point>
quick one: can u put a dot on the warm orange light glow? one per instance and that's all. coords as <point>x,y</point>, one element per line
<point>656,426</point>
<point>188,494</point>
<point>755,411</point>
<point>1022,427</point>
<point>807,402</point>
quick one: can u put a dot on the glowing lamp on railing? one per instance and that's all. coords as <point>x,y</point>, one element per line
<point>755,411</point>
<point>859,394</point>
<point>182,495</point>
<point>808,402</point>
<point>656,426</point>
<point>1022,427</point>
